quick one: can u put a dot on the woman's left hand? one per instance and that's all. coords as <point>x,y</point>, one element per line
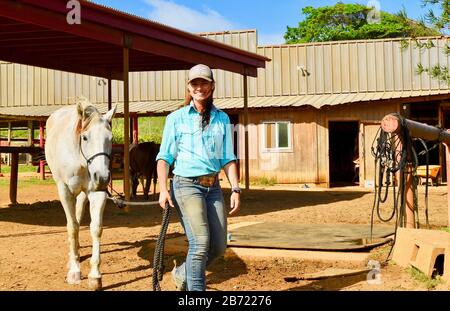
<point>235,203</point>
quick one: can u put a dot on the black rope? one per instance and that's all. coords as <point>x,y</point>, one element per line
<point>427,163</point>
<point>389,160</point>
<point>158,257</point>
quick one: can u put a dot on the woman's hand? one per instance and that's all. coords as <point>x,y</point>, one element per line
<point>235,203</point>
<point>164,197</point>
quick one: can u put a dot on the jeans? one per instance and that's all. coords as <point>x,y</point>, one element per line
<point>203,216</point>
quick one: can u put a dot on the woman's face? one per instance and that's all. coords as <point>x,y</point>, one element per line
<point>200,89</point>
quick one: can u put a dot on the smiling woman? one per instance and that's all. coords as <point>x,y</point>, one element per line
<point>197,141</point>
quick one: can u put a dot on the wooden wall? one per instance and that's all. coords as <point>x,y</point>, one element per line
<point>307,162</point>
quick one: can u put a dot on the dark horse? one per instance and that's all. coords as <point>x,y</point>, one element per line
<point>143,163</point>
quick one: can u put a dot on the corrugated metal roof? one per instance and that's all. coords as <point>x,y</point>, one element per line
<point>167,106</point>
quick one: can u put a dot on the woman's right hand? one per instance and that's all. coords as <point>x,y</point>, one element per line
<point>164,197</point>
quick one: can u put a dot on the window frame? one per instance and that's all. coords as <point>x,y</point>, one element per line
<point>277,149</point>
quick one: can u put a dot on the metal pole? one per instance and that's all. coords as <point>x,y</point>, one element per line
<point>246,167</point>
<point>41,144</point>
<point>126,117</point>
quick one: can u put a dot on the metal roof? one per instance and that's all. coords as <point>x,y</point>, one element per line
<point>166,106</point>
<point>37,33</point>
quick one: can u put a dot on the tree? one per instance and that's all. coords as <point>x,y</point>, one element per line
<point>351,22</point>
<point>442,24</point>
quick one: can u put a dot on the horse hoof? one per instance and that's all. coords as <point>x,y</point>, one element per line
<point>95,284</point>
<point>74,278</point>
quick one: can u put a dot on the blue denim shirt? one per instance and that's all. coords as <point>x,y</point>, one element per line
<point>196,152</point>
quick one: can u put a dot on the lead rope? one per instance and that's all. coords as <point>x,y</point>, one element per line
<point>158,257</point>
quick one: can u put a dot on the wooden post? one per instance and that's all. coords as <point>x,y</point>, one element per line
<point>447,162</point>
<point>42,145</point>
<point>30,140</point>
<point>13,177</point>
<point>246,167</point>
<point>9,142</point>
<point>135,129</point>
<point>109,108</point>
<point>126,117</point>
<point>409,204</point>
<point>109,94</point>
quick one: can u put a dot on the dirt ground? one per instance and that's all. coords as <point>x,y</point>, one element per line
<point>33,242</point>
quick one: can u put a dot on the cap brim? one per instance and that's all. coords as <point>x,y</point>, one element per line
<point>204,78</point>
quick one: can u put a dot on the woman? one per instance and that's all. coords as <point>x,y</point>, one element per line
<point>197,140</point>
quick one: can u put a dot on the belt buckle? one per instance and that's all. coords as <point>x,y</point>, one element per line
<point>207,180</point>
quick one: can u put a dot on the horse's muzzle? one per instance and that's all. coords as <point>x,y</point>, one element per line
<point>101,182</point>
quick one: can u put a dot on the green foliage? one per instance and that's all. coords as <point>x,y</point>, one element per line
<point>350,22</point>
<point>150,129</point>
<point>17,133</point>
<point>23,168</point>
<point>421,277</point>
<point>446,229</point>
<point>263,181</point>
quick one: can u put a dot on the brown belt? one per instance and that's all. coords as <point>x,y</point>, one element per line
<point>207,180</point>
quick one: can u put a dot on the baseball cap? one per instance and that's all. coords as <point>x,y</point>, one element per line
<point>200,71</point>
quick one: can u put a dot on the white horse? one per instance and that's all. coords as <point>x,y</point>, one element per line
<point>77,150</point>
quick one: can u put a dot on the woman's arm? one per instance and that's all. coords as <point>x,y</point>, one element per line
<point>232,174</point>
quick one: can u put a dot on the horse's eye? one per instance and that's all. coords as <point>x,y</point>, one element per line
<point>84,138</point>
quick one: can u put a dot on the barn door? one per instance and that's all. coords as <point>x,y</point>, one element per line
<point>368,131</point>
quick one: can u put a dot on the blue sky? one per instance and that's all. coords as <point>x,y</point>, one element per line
<point>268,17</point>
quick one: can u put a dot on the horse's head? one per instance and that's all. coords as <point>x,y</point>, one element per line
<point>95,136</point>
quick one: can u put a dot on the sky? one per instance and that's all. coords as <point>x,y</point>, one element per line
<point>269,17</point>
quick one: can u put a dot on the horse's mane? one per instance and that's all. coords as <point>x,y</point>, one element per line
<point>87,116</point>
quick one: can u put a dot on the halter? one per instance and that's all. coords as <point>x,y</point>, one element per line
<point>89,161</point>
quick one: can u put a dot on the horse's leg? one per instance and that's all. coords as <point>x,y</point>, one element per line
<point>97,202</point>
<point>80,205</point>
<point>68,203</point>
<point>134,185</point>
<point>155,179</point>
<point>148,180</point>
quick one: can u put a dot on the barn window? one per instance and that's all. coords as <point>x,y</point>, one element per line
<point>277,135</point>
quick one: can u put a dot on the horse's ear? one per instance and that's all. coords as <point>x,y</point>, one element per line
<point>82,105</point>
<point>80,110</point>
<point>110,114</point>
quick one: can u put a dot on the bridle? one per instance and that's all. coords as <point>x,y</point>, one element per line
<point>89,160</point>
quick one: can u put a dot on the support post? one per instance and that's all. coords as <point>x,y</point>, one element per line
<point>109,108</point>
<point>13,177</point>
<point>42,145</point>
<point>246,167</point>
<point>135,129</point>
<point>109,94</point>
<point>9,142</point>
<point>447,162</point>
<point>30,135</point>
<point>126,116</point>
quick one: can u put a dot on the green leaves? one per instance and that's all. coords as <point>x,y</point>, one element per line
<point>351,22</point>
